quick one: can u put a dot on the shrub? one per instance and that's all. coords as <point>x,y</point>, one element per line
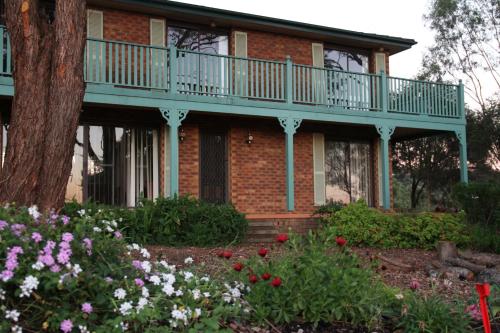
<point>312,284</point>
<point>365,226</point>
<point>431,314</point>
<point>179,221</point>
<point>61,274</point>
<point>481,202</point>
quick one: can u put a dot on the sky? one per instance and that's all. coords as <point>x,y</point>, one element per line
<point>399,18</point>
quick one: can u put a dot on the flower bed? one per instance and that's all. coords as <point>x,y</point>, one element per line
<point>76,275</point>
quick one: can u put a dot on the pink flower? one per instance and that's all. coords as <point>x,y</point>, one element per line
<point>3,224</point>
<point>87,308</point>
<point>474,311</point>
<point>17,229</point>
<point>47,259</point>
<point>6,275</point>
<point>139,283</point>
<point>137,264</point>
<point>67,237</point>
<point>118,235</point>
<point>36,237</point>
<point>66,326</point>
<point>16,250</point>
<point>11,264</point>
<point>64,256</point>
<point>65,219</point>
<point>414,284</point>
<point>87,242</point>
<point>55,268</point>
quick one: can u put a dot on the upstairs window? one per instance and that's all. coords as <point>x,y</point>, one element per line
<point>198,40</point>
<point>345,60</point>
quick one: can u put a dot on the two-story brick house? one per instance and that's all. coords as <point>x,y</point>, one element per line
<point>275,116</point>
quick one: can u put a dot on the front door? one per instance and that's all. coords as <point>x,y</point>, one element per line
<point>213,165</point>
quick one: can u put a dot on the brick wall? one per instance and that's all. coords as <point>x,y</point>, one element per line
<point>271,46</point>
<point>189,165</point>
<point>126,26</point>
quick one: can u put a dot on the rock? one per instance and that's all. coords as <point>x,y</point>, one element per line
<point>489,275</point>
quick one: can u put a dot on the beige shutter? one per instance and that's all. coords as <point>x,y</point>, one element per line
<point>380,62</point>
<point>318,55</point>
<point>157,32</point>
<point>319,168</point>
<point>240,44</point>
<point>94,24</point>
<point>240,50</point>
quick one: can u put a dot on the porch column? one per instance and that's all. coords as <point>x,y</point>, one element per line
<point>462,141</point>
<point>174,118</point>
<point>385,133</point>
<point>290,126</point>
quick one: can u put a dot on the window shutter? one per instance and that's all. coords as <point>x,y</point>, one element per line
<point>94,24</point>
<point>318,55</point>
<point>380,62</point>
<point>319,168</point>
<point>240,44</point>
<point>157,32</point>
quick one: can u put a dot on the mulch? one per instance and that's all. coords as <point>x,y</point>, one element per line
<point>207,261</point>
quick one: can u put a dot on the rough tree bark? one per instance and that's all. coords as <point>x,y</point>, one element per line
<point>49,88</point>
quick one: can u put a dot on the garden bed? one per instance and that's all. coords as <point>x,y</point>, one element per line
<point>206,259</point>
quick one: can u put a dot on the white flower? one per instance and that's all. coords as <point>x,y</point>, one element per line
<point>16,329</point>
<point>168,278</point>
<point>109,229</point>
<point>97,229</point>
<point>155,279</point>
<point>146,266</point>
<point>38,266</point>
<point>205,279</point>
<point>235,292</point>
<point>83,329</point>
<point>179,315</point>
<point>124,326</point>
<point>196,294</point>
<point>125,308</point>
<point>145,292</point>
<point>168,289</point>
<point>145,253</point>
<point>120,293</point>
<point>188,260</point>
<point>188,276</point>
<point>33,211</point>
<point>77,270</point>
<point>206,294</point>
<point>197,312</point>
<point>399,296</point>
<point>114,224</point>
<point>2,294</point>
<point>81,212</point>
<point>30,283</point>
<point>179,293</point>
<point>141,304</point>
<point>12,314</point>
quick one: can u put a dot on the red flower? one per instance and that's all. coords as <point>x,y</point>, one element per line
<point>266,276</point>
<point>227,254</point>
<point>220,254</point>
<point>276,282</point>
<point>253,278</point>
<point>262,252</point>
<point>340,241</point>
<point>238,266</point>
<point>281,238</point>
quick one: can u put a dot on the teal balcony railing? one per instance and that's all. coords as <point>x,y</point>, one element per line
<point>122,64</point>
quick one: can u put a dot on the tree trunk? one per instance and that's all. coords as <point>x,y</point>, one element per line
<point>49,89</point>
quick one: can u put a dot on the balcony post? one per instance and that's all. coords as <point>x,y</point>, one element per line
<point>462,141</point>
<point>174,118</point>
<point>290,126</point>
<point>383,91</point>
<point>385,133</point>
<point>173,68</point>
<point>289,80</point>
<point>461,100</point>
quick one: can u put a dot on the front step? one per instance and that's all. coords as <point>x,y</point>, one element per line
<point>261,232</point>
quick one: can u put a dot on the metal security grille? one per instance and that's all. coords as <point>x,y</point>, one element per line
<point>213,165</point>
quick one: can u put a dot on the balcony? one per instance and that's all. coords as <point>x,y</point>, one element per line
<point>132,68</point>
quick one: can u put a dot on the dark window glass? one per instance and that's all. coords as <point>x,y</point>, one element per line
<point>347,171</point>
<point>346,61</point>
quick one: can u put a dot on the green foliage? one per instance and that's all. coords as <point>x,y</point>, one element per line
<point>481,202</point>
<point>329,208</point>
<point>365,226</point>
<point>484,238</point>
<point>318,285</point>
<point>432,314</point>
<point>95,265</point>
<point>179,221</point>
